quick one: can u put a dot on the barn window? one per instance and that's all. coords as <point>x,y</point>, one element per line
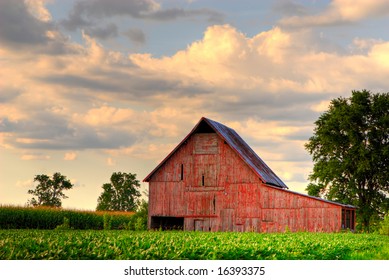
<point>202,180</point>
<point>182,172</point>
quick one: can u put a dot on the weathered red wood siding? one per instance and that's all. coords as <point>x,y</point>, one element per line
<point>219,192</point>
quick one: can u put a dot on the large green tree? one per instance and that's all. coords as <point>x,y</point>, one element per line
<point>350,150</point>
<point>121,194</point>
<point>49,190</point>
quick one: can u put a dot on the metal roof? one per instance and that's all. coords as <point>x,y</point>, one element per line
<point>240,146</point>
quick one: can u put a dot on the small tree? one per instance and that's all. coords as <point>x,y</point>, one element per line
<point>49,191</point>
<point>121,194</point>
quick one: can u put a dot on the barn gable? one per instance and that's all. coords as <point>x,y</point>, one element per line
<point>242,149</point>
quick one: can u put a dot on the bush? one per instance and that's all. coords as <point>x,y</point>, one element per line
<point>384,226</point>
<point>65,225</point>
<point>139,220</point>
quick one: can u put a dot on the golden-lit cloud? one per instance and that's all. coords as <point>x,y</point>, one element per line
<point>106,115</point>
<point>76,95</point>
<point>340,12</point>
<point>38,9</point>
<point>225,71</point>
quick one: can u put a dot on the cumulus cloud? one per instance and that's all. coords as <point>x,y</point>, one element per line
<point>270,87</point>
<point>274,61</point>
<point>19,26</point>
<point>271,76</point>
<point>340,12</point>
<point>27,25</point>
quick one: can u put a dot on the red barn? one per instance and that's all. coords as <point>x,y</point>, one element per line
<point>213,181</point>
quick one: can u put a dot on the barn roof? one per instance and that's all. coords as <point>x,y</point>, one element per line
<point>238,145</point>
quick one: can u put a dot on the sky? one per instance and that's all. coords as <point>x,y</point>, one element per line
<point>92,87</point>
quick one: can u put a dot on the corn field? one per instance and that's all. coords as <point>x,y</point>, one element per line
<point>164,245</point>
<point>14,217</point>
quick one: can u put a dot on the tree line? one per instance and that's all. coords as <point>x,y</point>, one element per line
<point>120,194</point>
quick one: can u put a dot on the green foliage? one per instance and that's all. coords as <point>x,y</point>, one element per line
<point>315,189</point>
<point>107,221</point>
<point>139,220</point>
<point>13,217</point>
<point>350,150</point>
<point>49,191</point>
<point>384,226</point>
<point>121,194</point>
<point>181,245</point>
<point>65,225</point>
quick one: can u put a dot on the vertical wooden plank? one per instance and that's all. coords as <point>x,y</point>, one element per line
<point>227,219</point>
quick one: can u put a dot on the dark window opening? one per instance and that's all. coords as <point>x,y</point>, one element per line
<point>204,128</point>
<point>167,223</point>
<point>202,181</point>
<point>182,172</point>
<point>348,220</point>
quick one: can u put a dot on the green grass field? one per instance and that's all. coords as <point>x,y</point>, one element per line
<point>113,244</point>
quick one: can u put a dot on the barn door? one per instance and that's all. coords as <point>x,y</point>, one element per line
<point>198,225</point>
<point>227,219</point>
<point>202,225</point>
